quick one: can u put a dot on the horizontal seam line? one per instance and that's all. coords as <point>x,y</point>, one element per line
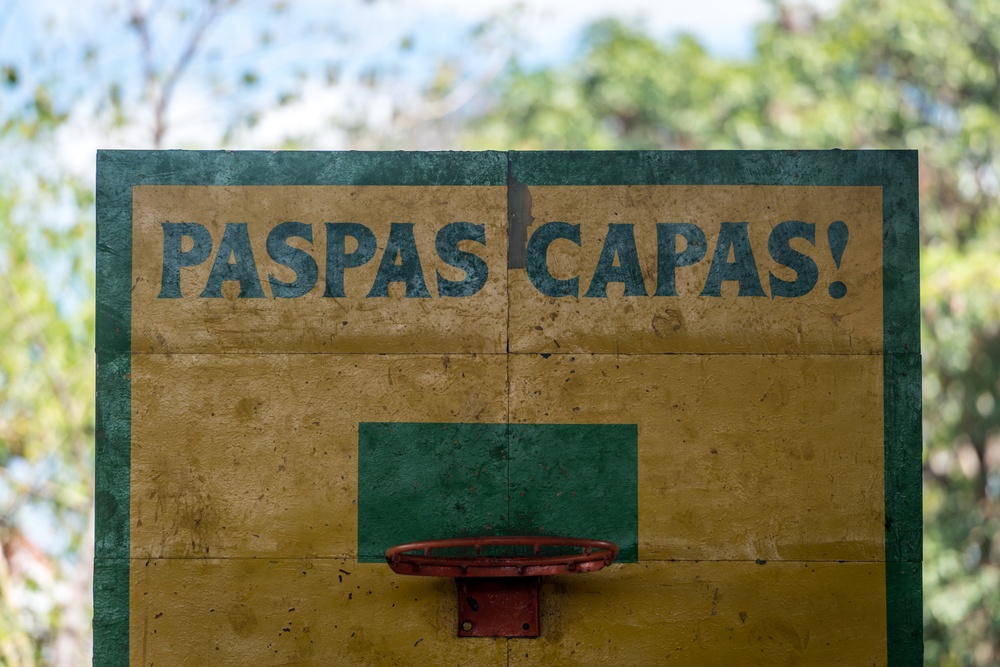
<point>762,561</point>
<point>525,354</point>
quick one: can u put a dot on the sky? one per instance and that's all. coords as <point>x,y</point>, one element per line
<point>724,26</point>
<point>361,33</point>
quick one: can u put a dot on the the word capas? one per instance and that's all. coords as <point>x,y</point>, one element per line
<point>730,256</point>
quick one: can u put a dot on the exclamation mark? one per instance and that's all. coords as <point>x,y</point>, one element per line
<point>837,235</point>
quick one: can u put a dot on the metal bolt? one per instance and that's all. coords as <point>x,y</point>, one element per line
<point>467,625</point>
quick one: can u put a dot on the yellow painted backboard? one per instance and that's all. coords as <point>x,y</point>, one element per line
<point>711,359</point>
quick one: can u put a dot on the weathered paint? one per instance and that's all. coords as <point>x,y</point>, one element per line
<point>256,455</point>
<point>269,612</point>
<point>813,323</point>
<point>705,614</point>
<point>730,447</point>
<point>289,611</point>
<point>749,431</point>
<point>312,323</point>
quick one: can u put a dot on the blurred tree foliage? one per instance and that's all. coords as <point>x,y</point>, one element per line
<point>873,74</point>
<point>46,401</point>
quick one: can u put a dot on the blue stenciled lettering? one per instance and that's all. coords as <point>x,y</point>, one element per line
<point>620,243</point>
<point>351,245</point>
<point>667,257</point>
<point>779,246</point>
<point>536,259</point>
<point>475,268</point>
<point>743,269</point>
<point>174,257</point>
<point>338,260</point>
<point>403,247</point>
<point>298,260</point>
<point>235,245</point>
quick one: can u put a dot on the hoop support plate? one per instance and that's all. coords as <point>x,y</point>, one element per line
<point>498,595</point>
<point>498,606</point>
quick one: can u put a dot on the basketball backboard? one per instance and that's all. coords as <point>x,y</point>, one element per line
<point>710,359</point>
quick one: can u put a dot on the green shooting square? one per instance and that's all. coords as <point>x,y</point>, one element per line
<point>420,481</point>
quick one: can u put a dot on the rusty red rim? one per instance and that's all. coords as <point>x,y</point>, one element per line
<point>418,558</point>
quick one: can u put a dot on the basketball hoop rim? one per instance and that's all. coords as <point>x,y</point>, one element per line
<point>596,554</point>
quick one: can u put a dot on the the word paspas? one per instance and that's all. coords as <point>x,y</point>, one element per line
<point>350,245</point>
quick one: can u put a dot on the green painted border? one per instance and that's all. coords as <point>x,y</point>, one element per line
<point>894,171</point>
<point>904,605</point>
<point>114,405</point>
<point>902,400</point>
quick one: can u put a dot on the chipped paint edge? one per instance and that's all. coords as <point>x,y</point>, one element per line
<point>902,405</point>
